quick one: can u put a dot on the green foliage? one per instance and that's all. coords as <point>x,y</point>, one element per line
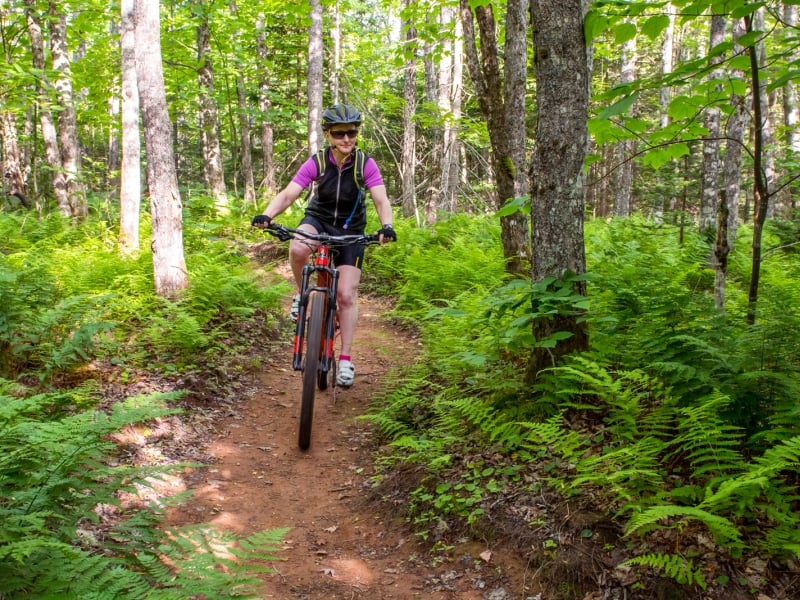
<point>679,568</point>
<point>679,419</point>
<point>68,298</point>
<point>56,470</point>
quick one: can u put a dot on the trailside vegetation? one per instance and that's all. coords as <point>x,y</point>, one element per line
<point>79,517</point>
<point>667,454</point>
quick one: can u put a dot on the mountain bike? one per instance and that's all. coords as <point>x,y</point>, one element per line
<point>316,327</point>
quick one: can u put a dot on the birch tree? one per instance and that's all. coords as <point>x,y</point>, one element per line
<point>408,154</point>
<point>169,265</point>
<point>314,77</point>
<point>712,167</point>
<point>791,103</point>
<point>67,119</point>
<point>52,152</point>
<point>268,183</point>
<point>130,189</point>
<point>208,117</point>
<point>245,133</point>
<point>623,179</point>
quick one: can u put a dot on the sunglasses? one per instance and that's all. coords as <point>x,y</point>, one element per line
<point>339,135</point>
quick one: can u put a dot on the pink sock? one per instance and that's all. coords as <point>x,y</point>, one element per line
<point>344,357</point>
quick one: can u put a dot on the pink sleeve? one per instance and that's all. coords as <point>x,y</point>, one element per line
<point>307,173</point>
<point>372,174</point>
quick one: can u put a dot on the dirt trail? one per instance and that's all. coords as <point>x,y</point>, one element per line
<point>339,547</point>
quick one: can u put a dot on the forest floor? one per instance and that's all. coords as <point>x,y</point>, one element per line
<point>342,543</point>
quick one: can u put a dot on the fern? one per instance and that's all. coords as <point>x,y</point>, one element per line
<point>725,532</point>
<point>676,567</point>
<point>710,446</point>
<point>54,472</point>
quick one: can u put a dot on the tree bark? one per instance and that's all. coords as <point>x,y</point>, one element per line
<point>245,132</point>
<point>764,121</point>
<point>563,76</point>
<point>314,78</point>
<point>760,177</point>
<point>791,106</point>
<point>169,265</point>
<point>130,189</point>
<point>209,117</point>
<point>268,183</point>
<point>502,102</point>
<point>623,175</point>
<point>450,84</point>
<point>665,95</point>
<point>721,251</point>
<point>67,120</point>
<point>14,180</point>
<point>711,144</point>
<point>409,155</point>
<point>52,152</point>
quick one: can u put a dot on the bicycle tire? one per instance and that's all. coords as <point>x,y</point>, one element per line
<point>314,338</point>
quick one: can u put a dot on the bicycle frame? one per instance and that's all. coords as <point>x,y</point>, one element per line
<point>316,322</point>
<point>327,283</point>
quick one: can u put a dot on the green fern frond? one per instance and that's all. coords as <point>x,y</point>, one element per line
<point>725,532</point>
<point>709,444</point>
<point>676,567</point>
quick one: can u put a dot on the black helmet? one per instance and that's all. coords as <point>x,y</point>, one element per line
<point>340,114</point>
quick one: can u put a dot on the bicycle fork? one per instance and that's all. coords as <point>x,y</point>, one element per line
<point>328,282</point>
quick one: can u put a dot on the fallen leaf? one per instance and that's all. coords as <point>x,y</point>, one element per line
<point>331,529</point>
<point>486,555</point>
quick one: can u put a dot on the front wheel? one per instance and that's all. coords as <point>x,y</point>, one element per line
<point>314,337</point>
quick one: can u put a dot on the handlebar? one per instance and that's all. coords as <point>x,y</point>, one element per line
<point>284,234</point>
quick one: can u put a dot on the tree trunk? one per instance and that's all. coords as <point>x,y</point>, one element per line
<point>409,156</point>
<point>114,149</point>
<point>314,78</point>
<point>504,112</point>
<point>764,123</point>
<point>130,190</point>
<point>563,75</point>
<point>721,251</point>
<point>760,180</point>
<point>268,183</point>
<point>169,265</point>
<point>734,143</point>
<point>245,133</point>
<point>791,107</point>
<point>67,120</point>
<point>14,183</point>
<point>449,105</point>
<point>52,152</point>
<point>516,235</point>
<point>336,42</point>
<point>623,177</point>
<point>209,118</point>
<point>712,167</point>
<point>667,62</point>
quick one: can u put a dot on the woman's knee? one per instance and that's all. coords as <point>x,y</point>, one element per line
<point>347,297</point>
<point>298,251</point>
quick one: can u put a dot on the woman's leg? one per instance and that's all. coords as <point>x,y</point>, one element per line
<point>347,304</point>
<point>299,251</point>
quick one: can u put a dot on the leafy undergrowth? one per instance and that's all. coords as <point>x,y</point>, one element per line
<point>661,464</point>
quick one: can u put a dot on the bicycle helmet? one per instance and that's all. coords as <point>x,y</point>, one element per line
<point>340,114</point>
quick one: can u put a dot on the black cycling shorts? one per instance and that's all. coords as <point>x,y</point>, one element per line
<point>352,255</point>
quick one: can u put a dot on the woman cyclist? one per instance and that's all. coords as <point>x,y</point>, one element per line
<point>337,206</point>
